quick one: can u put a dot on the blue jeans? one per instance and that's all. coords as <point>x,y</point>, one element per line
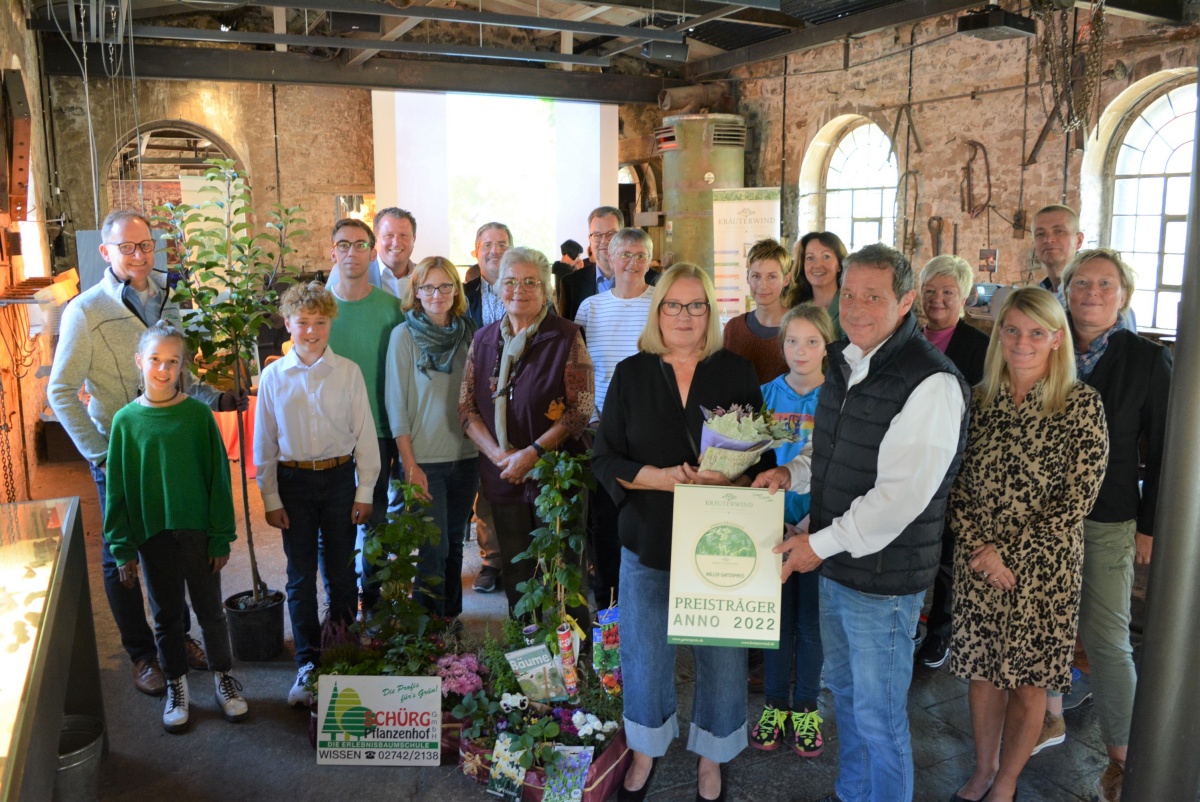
<point>452,486</point>
<point>799,641</point>
<point>127,607</point>
<point>868,666</point>
<point>171,559</point>
<point>318,506</point>
<point>718,730</point>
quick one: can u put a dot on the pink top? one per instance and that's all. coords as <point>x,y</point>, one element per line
<point>940,339</point>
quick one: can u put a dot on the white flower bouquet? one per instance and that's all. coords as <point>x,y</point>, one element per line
<point>734,439</point>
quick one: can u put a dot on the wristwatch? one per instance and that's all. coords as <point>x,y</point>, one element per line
<point>541,452</point>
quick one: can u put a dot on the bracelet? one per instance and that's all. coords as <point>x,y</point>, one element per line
<point>537,448</point>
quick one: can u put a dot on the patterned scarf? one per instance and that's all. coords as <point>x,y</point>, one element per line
<point>438,344</point>
<point>1085,362</point>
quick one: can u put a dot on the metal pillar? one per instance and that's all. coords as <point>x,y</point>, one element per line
<point>1166,714</point>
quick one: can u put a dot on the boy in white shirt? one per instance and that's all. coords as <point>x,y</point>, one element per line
<point>313,432</point>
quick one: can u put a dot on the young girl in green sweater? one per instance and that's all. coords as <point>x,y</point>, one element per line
<point>170,503</point>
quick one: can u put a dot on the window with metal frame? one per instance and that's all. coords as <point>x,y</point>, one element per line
<point>860,188</point>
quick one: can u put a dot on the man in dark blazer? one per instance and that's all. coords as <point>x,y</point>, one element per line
<point>603,224</point>
<point>483,302</point>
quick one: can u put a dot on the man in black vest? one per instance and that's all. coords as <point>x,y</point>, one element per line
<point>886,445</point>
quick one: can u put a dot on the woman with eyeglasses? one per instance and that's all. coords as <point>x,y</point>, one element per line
<point>646,445</point>
<point>527,390</point>
<point>426,360</point>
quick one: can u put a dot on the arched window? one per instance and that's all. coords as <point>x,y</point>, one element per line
<point>1151,190</point>
<point>860,188</point>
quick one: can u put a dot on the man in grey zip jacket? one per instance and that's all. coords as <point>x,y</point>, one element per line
<point>99,337</point>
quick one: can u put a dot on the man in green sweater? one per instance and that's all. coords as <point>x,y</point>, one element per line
<point>360,333</point>
<point>99,336</point>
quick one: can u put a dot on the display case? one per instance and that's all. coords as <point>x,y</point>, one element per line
<point>48,663</point>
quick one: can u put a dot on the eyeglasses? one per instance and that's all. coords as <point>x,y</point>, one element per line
<point>674,308</point>
<point>344,246</point>
<point>640,258</point>
<point>127,248</point>
<point>511,284</point>
<point>597,236</point>
<point>431,289</point>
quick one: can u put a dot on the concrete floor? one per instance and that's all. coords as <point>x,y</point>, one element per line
<point>268,757</point>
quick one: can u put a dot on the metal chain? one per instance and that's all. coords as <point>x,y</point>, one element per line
<point>6,460</point>
<point>1054,43</point>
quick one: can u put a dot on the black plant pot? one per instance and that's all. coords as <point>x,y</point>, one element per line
<point>256,632</point>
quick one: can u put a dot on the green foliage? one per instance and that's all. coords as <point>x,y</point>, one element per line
<point>480,714</point>
<point>557,582</point>
<point>500,673</point>
<point>536,743</point>
<point>594,698</point>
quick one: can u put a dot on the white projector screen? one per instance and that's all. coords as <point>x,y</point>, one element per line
<point>458,161</point>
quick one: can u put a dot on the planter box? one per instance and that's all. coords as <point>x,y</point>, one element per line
<point>605,775</point>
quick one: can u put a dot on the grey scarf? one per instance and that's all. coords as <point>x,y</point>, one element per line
<point>514,348</point>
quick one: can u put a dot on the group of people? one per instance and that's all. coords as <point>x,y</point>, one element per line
<point>1003,471</point>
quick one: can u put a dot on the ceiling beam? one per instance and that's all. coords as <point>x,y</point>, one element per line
<point>268,67</point>
<point>476,17</point>
<point>334,42</point>
<point>1145,10</point>
<point>710,16</point>
<point>819,35</point>
<point>398,29</point>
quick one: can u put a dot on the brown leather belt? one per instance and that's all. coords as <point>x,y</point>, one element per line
<point>315,464</point>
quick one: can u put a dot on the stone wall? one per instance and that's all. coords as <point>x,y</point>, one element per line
<point>962,89</point>
<point>318,138</point>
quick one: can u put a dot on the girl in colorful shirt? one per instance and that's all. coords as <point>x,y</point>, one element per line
<point>170,504</point>
<point>792,718</point>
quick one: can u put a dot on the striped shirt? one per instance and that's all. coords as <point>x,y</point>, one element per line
<point>611,326</point>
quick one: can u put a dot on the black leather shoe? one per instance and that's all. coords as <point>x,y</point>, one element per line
<point>721,796</point>
<point>625,795</point>
<point>957,798</point>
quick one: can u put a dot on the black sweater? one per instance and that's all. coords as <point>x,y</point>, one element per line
<point>1134,379</point>
<point>643,424</point>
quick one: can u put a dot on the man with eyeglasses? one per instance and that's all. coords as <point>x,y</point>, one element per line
<point>603,224</point>
<point>390,269</point>
<point>99,337</point>
<point>361,332</point>
<point>612,321</point>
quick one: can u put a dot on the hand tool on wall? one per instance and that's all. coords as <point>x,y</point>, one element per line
<point>967,185</point>
<point>935,234</point>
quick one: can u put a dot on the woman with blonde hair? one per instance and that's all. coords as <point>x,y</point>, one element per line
<point>426,359</point>
<point>1033,464</point>
<point>646,445</point>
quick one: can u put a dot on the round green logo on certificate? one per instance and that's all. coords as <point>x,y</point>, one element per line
<point>725,556</point>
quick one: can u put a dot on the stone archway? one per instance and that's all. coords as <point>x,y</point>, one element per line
<point>811,196</point>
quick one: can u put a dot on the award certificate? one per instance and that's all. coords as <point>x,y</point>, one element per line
<point>725,586</point>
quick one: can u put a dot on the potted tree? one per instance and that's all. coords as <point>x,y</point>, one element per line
<point>225,277</point>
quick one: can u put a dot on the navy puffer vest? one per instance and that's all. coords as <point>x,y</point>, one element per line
<point>849,427</point>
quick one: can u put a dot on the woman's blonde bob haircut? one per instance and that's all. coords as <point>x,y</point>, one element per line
<point>1043,309</point>
<point>651,339</point>
<point>420,276</point>
<point>956,268</point>
<point>1124,274</point>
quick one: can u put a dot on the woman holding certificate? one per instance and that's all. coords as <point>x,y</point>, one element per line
<point>648,443</point>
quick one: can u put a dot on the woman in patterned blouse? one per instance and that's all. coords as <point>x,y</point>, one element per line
<point>1035,458</point>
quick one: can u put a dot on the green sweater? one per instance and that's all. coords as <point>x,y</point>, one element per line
<point>167,469</point>
<point>360,333</point>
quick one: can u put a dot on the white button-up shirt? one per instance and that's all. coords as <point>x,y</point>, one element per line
<point>914,456</point>
<point>313,412</point>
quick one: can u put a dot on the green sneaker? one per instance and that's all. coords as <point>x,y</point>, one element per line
<point>771,728</point>
<point>805,738</point>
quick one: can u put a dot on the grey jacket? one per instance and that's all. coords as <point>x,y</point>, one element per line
<point>98,338</point>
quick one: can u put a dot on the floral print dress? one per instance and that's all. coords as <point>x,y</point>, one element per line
<point>1026,484</point>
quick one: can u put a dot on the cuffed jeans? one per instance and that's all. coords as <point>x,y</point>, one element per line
<point>170,560</point>
<point>128,609</point>
<point>1104,612</point>
<point>868,643</point>
<point>318,506</point>
<point>718,730</point>
<point>799,643</point>
<point>452,486</point>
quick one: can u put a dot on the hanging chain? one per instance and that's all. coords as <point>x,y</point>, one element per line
<point>1074,105</point>
<point>6,460</point>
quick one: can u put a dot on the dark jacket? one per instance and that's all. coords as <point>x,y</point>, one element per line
<point>968,351</point>
<point>581,284</point>
<point>1134,379</point>
<point>849,428</point>
<point>538,381</point>
<point>473,292</point>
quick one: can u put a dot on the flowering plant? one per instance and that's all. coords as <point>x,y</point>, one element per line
<point>734,439</point>
<point>461,674</point>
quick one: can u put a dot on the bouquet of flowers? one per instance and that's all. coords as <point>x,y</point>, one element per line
<point>734,439</point>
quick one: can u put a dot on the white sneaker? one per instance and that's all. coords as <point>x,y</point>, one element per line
<point>299,694</point>
<point>175,716</point>
<point>232,704</point>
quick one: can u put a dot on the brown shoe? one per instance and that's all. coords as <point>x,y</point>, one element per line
<point>1108,787</point>
<point>148,677</point>
<point>197,659</point>
<point>1054,732</point>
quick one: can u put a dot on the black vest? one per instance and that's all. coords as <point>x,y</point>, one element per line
<point>847,432</point>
